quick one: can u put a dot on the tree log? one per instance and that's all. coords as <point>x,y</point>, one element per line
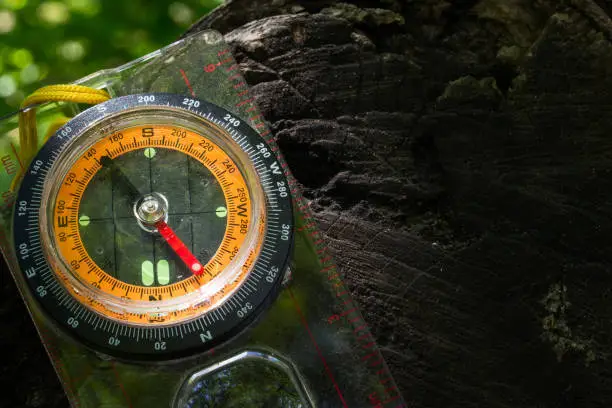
<point>456,156</point>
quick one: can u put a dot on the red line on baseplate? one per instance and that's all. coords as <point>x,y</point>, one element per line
<point>368,345</point>
<point>244,102</point>
<point>187,82</point>
<point>127,399</point>
<point>354,319</point>
<point>369,356</point>
<point>377,362</point>
<point>328,267</point>
<point>347,312</point>
<point>363,336</point>
<point>314,342</point>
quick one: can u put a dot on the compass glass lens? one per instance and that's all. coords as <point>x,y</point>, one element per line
<point>153,213</point>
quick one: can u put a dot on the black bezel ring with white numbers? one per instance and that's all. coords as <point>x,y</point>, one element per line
<point>200,333</point>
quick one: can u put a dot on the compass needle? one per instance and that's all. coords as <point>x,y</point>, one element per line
<point>179,248</point>
<point>120,178</point>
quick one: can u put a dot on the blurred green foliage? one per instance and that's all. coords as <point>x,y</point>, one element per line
<point>46,42</point>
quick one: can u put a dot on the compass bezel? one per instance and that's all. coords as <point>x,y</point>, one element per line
<point>209,329</point>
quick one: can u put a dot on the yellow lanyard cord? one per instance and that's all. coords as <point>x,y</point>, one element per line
<point>28,137</point>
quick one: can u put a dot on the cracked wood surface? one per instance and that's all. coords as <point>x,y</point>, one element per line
<point>457,156</point>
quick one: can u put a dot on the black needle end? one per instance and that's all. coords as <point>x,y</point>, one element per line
<point>106,161</point>
<point>120,178</point>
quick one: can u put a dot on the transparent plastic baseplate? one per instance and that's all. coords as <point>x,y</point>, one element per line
<point>311,348</point>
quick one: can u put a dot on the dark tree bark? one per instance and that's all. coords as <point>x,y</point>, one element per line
<point>457,156</point>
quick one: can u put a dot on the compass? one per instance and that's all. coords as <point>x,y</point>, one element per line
<point>153,225</point>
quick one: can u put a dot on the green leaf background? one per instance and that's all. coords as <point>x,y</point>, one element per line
<point>48,42</point>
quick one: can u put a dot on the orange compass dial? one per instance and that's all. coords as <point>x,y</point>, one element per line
<point>125,229</point>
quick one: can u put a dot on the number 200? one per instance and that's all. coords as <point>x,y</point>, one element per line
<point>146,98</point>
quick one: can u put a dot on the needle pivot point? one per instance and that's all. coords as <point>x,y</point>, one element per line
<point>151,209</point>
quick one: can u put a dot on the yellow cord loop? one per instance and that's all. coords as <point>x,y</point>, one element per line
<point>28,137</point>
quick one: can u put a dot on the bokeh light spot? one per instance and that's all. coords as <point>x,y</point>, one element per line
<point>180,13</point>
<point>71,50</point>
<point>21,58</point>
<point>30,74</point>
<point>14,4</point>
<point>87,7</point>
<point>53,12</point>
<point>8,86</point>
<point>7,21</point>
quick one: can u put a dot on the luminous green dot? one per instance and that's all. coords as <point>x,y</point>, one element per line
<point>147,273</point>
<point>149,152</point>
<point>221,212</point>
<point>84,220</point>
<point>163,272</point>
